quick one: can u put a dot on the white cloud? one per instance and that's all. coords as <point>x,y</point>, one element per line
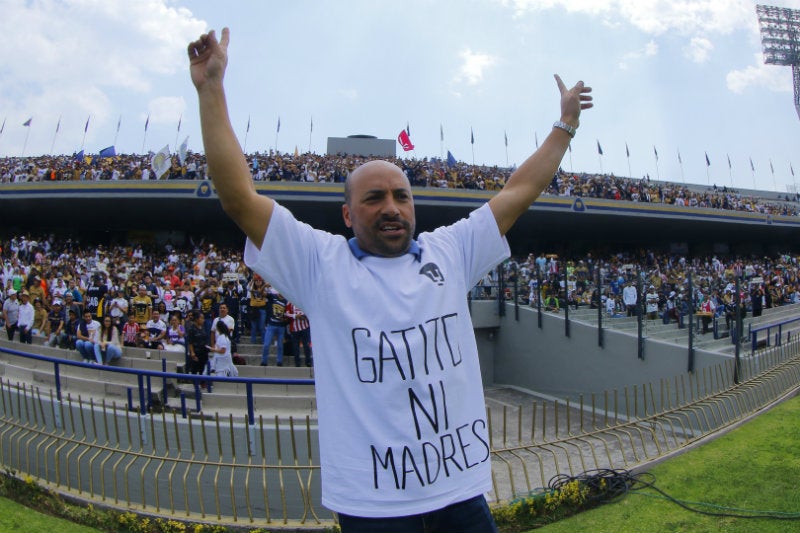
<point>698,49</point>
<point>650,49</point>
<point>166,109</point>
<point>654,16</point>
<point>473,67</point>
<point>69,56</point>
<point>697,20</point>
<point>772,77</point>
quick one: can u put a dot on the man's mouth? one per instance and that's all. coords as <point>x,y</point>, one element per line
<point>392,228</point>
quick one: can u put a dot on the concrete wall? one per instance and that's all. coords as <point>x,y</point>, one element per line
<point>518,353</point>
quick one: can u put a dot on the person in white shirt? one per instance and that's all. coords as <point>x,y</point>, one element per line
<point>222,361</point>
<point>384,293</point>
<point>25,318</point>
<point>87,335</point>
<point>630,298</point>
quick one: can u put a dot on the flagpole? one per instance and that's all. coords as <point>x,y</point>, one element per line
<point>116,135</point>
<point>630,174</point>
<point>178,132</point>
<point>53,144</point>
<point>85,129</point>
<point>144,139</point>
<point>25,144</point>
<point>310,131</point>
<point>277,131</point>
<point>569,146</point>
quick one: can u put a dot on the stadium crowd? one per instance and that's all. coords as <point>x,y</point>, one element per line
<point>433,172</point>
<point>173,297</point>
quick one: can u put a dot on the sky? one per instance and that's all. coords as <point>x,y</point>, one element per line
<point>674,77</point>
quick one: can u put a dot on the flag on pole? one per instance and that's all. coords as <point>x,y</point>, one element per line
<point>599,148</point>
<point>180,119</point>
<point>183,150</point>
<point>86,127</point>
<point>27,123</point>
<point>58,126</point>
<point>627,152</point>
<point>752,166</point>
<point>311,128</point>
<point>505,135</point>
<point>119,123</point>
<point>655,152</point>
<point>78,157</point>
<point>729,161</point>
<point>3,126</point>
<point>248,124</point>
<point>471,136</point>
<point>279,125</point>
<point>441,133</point>
<point>107,152</point>
<point>791,169</point>
<point>408,129</point>
<point>680,161</point>
<point>405,141</point>
<point>451,160</point>
<point>161,162</point>
<point>147,122</point>
<point>771,168</point>
<point>708,162</point>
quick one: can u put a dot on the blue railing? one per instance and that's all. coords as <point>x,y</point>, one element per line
<point>144,379</point>
<point>776,327</point>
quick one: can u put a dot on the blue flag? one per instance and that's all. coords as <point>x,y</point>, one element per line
<point>78,157</point>
<point>451,160</point>
<point>599,148</point>
<point>108,152</point>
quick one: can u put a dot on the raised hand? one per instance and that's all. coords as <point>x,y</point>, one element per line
<point>573,101</point>
<point>208,58</point>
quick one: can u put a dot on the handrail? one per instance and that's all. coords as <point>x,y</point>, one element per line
<point>144,384</point>
<point>754,330</point>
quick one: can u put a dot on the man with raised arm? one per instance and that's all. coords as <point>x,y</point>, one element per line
<point>404,442</point>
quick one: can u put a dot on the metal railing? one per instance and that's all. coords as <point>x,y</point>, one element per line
<point>265,470</point>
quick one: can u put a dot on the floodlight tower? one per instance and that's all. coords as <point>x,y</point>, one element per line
<point>780,39</point>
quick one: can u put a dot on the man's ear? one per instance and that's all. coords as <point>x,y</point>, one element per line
<point>346,216</point>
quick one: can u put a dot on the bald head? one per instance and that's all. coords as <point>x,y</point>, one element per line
<point>379,207</point>
<point>376,167</point>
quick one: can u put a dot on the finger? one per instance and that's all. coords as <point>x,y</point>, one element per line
<point>226,37</point>
<point>561,87</point>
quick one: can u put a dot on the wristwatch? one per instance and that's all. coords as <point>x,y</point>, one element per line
<point>564,126</point>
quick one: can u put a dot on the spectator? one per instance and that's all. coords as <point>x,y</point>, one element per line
<point>25,320</point>
<point>87,336</point>
<point>11,313</point>
<point>107,348</point>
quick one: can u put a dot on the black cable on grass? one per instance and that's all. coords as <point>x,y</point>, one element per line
<point>606,485</point>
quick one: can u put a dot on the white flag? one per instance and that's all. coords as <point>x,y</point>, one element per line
<point>161,162</point>
<point>182,149</point>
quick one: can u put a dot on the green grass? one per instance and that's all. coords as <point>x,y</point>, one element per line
<point>756,467</point>
<point>20,519</point>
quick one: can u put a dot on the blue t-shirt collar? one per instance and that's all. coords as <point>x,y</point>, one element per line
<point>360,254</point>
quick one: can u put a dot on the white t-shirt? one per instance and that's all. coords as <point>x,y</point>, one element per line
<point>402,418</point>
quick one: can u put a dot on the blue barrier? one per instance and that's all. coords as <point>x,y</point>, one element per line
<point>769,328</point>
<point>144,381</point>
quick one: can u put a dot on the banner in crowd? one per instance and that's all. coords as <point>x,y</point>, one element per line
<point>161,162</point>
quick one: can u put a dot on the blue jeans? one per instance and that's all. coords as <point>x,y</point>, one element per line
<point>86,349</point>
<point>273,332</point>
<point>111,353</point>
<point>258,316</point>
<point>469,516</point>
